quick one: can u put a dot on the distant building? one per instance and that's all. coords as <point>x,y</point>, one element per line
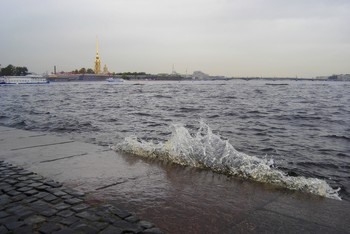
<point>343,77</point>
<point>200,75</point>
<point>105,69</point>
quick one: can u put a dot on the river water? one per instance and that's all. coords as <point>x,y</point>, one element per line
<point>254,130</point>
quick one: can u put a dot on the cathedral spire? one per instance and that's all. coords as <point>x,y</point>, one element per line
<point>97,60</point>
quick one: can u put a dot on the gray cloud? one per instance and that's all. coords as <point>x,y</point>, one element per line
<point>228,37</point>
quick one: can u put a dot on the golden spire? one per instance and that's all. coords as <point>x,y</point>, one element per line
<point>97,60</point>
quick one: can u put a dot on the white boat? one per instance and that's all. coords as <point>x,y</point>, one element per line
<point>28,79</point>
<point>115,80</point>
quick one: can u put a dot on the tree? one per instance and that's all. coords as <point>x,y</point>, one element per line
<point>82,70</point>
<point>90,71</point>
<point>21,71</point>
<point>11,70</point>
<point>125,76</point>
<point>8,71</point>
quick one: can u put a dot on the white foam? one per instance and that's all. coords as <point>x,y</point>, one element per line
<point>207,150</point>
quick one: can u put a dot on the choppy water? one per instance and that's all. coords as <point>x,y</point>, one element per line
<point>295,131</point>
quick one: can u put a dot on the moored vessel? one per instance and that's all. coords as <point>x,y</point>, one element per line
<point>28,79</point>
<point>115,80</point>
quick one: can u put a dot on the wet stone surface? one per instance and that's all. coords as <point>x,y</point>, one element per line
<point>31,204</point>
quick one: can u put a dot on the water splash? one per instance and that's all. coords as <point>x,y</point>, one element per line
<point>207,150</point>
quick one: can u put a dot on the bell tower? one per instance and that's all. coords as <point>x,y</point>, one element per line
<point>97,60</point>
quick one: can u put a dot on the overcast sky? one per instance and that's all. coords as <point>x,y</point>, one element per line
<point>304,38</point>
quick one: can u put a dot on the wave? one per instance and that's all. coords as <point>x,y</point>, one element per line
<point>205,149</point>
<point>162,96</point>
<point>338,137</point>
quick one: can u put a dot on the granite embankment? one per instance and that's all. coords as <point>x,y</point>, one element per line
<point>32,204</point>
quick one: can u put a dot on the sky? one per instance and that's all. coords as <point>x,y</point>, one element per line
<point>234,38</point>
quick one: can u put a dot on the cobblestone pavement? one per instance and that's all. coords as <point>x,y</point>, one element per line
<point>30,203</point>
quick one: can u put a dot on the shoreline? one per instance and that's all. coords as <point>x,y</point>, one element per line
<point>98,171</point>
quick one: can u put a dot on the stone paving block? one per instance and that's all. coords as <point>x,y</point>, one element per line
<point>69,220</point>
<point>42,187</point>
<point>31,192</point>
<point>62,206</point>
<point>41,195</point>
<point>35,184</point>
<point>11,218</point>
<point>3,214</point>
<point>14,225</point>
<point>24,189</point>
<point>52,184</point>
<point>80,207</point>
<point>121,213</point>
<point>40,205</point>
<point>50,197</point>
<point>127,227</point>
<point>85,228</point>
<point>73,201</point>
<point>25,173</point>
<point>22,178</point>
<point>16,209</point>
<point>29,181</point>
<point>3,229</point>
<point>152,231</point>
<point>66,197</point>
<point>58,193</point>
<point>54,219</point>
<point>48,212</point>
<point>58,200</point>
<point>112,230</point>
<point>13,193</point>
<point>11,181</point>
<point>146,224</point>
<point>36,177</point>
<point>20,184</point>
<point>47,228</point>
<point>15,176</point>
<point>34,219</point>
<point>30,199</point>
<point>73,192</point>
<point>107,217</point>
<point>132,219</point>
<point>99,225</point>
<point>25,213</point>
<point>18,197</point>
<point>4,197</point>
<point>87,215</point>
<point>23,230</point>
<point>8,188</point>
<point>65,213</point>
<point>65,231</point>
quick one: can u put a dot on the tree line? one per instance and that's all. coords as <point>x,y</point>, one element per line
<point>132,73</point>
<point>83,70</point>
<point>90,71</point>
<point>11,70</point>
